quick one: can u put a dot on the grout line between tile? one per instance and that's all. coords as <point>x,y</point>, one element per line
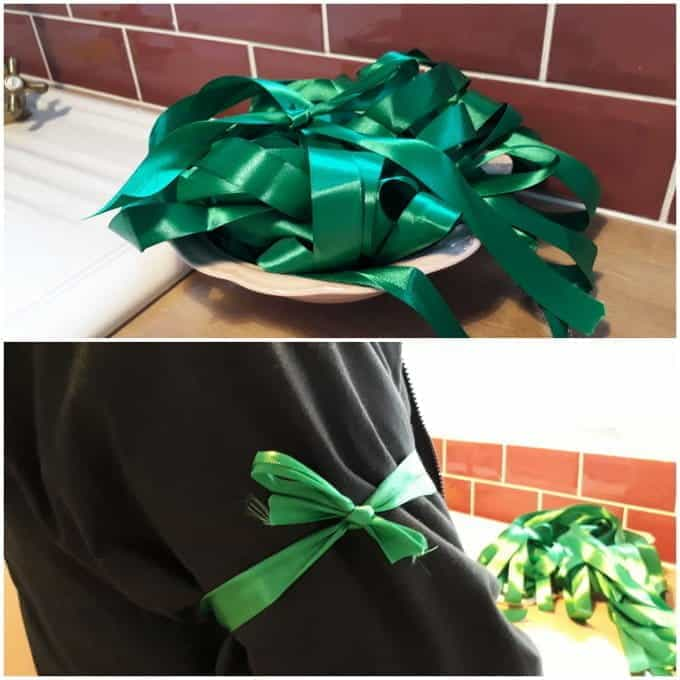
<point>547,41</point>
<point>251,62</point>
<point>539,500</point>
<point>624,519</point>
<point>653,511</point>
<point>504,461</point>
<point>522,487</point>
<point>69,10</point>
<point>367,60</point>
<point>174,17</point>
<point>40,47</point>
<point>494,482</point>
<point>668,198</point>
<point>98,93</point>
<point>579,475</point>
<point>324,28</point>
<point>197,36</point>
<point>607,212</point>
<point>131,61</point>
<point>472,497</point>
<point>650,99</point>
<point>47,15</point>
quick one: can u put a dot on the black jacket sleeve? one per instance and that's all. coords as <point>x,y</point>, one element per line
<point>128,465</point>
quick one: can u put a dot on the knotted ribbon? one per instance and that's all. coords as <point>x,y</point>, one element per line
<point>582,551</point>
<point>339,179</point>
<point>301,496</point>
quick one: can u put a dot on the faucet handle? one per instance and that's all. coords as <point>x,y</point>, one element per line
<point>15,91</point>
<point>35,86</point>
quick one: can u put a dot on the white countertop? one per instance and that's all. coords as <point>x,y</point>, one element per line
<point>569,649</point>
<point>65,276</point>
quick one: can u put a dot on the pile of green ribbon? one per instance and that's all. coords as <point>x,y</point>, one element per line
<point>301,496</point>
<point>339,179</point>
<point>582,552</point>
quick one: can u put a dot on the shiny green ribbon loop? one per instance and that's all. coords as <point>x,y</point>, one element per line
<point>343,179</point>
<point>582,552</point>
<point>301,496</point>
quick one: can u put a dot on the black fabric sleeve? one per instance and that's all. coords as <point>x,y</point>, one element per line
<point>145,459</point>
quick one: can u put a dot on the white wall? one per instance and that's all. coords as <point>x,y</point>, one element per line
<point>599,396</point>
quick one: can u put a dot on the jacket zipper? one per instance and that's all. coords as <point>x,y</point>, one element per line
<point>417,417</point>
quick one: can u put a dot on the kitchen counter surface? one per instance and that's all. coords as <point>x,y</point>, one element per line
<point>635,279</point>
<point>64,275</point>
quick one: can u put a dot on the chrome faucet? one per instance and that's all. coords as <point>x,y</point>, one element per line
<point>15,92</point>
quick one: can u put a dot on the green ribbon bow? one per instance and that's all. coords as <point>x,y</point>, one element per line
<point>582,551</point>
<point>300,496</point>
<point>339,179</point>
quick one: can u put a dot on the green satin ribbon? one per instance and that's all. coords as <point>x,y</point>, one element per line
<point>339,179</point>
<point>301,496</point>
<point>583,552</point>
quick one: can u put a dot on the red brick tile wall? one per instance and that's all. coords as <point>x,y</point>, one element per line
<point>597,80</point>
<point>503,481</point>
